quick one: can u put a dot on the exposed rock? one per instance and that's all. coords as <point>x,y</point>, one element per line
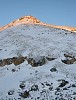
<point>13,70</point>
<point>47,84</point>
<point>25,94</point>
<point>1,63</point>
<point>18,60</point>
<point>68,55</point>
<point>74,93</point>
<point>53,69</point>
<point>32,62</point>
<point>63,83</point>
<point>67,61</point>
<point>7,61</point>
<point>73,85</point>
<point>65,89</point>
<point>35,63</point>
<point>38,97</point>
<point>58,89</point>
<point>51,88</point>
<point>50,59</point>
<point>34,88</point>
<point>14,60</point>
<point>42,85</point>
<point>66,33</point>
<point>22,85</point>
<point>11,92</point>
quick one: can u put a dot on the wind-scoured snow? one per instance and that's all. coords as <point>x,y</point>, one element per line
<point>54,80</point>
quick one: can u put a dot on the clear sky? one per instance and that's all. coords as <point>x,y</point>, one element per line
<point>58,12</point>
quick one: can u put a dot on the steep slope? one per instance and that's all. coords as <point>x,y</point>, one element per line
<point>37,62</point>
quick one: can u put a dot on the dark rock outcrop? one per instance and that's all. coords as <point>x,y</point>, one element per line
<point>25,94</point>
<point>18,60</point>
<point>53,69</point>
<point>69,59</point>
<point>35,63</point>
<point>14,60</point>
<point>63,83</point>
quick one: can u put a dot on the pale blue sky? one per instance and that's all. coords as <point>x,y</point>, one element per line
<point>58,12</point>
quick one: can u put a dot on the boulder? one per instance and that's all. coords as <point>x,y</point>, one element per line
<point>53,69</point>
<point>50,58</point>
<point>63,83</point>
<point>25,94</point>
<point>35,63</point>
<point>67,61</point>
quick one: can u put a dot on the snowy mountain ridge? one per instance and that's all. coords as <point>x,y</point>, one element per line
<point>33,20</point>
<point>22,20</point>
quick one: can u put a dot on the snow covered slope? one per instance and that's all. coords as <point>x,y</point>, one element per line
<point>37,62</point>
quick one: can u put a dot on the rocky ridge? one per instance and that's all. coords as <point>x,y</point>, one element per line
<point>33,20</point>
